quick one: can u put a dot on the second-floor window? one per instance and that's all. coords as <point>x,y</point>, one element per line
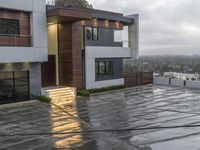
<point>91,33</point>
<point>9,27</point>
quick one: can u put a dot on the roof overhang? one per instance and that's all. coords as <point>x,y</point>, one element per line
<point>59,14</point>
<point>122,19</point>
<point>66,14</point>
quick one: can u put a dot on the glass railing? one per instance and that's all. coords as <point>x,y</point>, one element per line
<point>126,43</point>
<point>10,40</point>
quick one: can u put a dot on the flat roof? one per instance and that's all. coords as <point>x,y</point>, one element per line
<point>69,13</point>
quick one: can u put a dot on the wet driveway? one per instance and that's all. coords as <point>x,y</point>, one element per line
<point>30,125</point>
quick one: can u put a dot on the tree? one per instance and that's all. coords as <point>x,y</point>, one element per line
<point>77,3</point>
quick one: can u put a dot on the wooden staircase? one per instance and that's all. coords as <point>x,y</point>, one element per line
<point>61,95</point>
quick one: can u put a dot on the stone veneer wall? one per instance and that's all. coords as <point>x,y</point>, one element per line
<point>35,80</point>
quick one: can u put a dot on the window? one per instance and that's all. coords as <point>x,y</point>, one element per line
<point>14,86</point>
<point>91,33</point>
<point>118,36</point>
<point>88,33</point>
<point>104,69</point>
<point>95,34</point>
<point>9,27</point>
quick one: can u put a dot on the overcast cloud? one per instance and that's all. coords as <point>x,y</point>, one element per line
<point>166,26</point>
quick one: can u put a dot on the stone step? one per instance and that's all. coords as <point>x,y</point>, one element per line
<point>61,95</point>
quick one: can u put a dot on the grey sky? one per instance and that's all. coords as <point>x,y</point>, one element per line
<point>166,26</point>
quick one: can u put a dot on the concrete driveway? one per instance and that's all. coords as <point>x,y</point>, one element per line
<point>29,125</point>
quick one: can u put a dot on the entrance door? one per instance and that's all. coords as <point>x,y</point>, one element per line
<point>14,86</point>
<point>49,72</point>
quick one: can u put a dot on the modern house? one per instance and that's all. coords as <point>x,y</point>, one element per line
<point>51,46</point>
<point>85,49</point>
<point>23,46</point>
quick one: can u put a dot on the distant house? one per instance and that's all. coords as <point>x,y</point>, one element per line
<point>183,76</point>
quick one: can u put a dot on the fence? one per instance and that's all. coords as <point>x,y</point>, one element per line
<point>139,78</point>
<point>176,82</point>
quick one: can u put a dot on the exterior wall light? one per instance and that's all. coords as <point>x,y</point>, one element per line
<point>117,24</point>
<point>95,22</point>
<point>106,23</point>
<point>83,23</point>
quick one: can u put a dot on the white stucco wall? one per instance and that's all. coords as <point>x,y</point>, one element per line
<point>108,52</point>
<point>177,82</point>
<point>92,52</point>
<point>133,35</point>
<point>160,81</point>
<point>193,84</point>
<point>38,51</point>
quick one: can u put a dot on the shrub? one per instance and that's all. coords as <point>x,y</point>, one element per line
<point>91,91</point>
<point>83,93</point>
<point>44,99</point>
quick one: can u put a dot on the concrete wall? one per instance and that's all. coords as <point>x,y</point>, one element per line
<point>107,52</point>
<point>105,83</point>
<point>133,34</point>
<point>177,82</point>
<point>160,81</point>
<point>94,52</point>
<point>38,52</point>
<point>193,84</point>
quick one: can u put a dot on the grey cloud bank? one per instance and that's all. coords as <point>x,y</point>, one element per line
<point>166,26</point>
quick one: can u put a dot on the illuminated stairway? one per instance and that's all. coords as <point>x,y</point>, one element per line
<point>61,95</point>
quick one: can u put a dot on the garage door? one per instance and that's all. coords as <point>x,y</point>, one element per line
<point>14,86</point>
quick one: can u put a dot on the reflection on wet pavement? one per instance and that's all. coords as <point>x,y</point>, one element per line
<point>144,106</point>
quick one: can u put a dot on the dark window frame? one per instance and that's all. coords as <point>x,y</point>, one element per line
<point>108,69</point>
<point>92,38</point>
<point>16,83</point>
<point>17,33</point>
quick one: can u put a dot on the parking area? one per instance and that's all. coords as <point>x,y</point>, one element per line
<point>30,125</point>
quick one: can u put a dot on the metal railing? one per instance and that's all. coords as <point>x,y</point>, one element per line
<point>13,40</point>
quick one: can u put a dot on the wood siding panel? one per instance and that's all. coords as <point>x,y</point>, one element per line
<point>24,38</point>
<point>70,66</point>
<point>135,79</point>
<point>147,78</point>
<point>49,72</point>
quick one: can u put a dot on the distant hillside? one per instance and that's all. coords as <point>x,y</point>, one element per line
<point>164,63</point>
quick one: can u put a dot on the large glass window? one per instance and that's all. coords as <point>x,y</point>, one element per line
<point>14,86</point>
<point>9,27</point>
<point>91,33</point>
<point>104,69</point>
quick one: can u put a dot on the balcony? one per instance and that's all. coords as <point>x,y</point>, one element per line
<point>20,48</point>
<point>15,40</point>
